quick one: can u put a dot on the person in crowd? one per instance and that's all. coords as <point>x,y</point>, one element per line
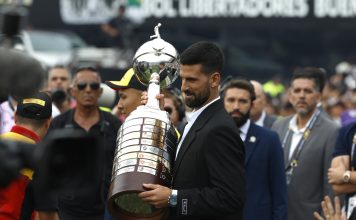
<point>32,119</point>
<point>87,117</point>
<point>175,107</point>
<point>266,194</point>
<point>208,173</point>
<point>274,87</point>
<point>349,115</point>
<point>130,90</point>
<point>7,114</point>
<point>342,174</point>
<point>308,139</point>
<point>59,79</point>
<point>258,114</point>
<point>119,30</point>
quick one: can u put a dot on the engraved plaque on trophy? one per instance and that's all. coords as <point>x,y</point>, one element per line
<point>147,140</point>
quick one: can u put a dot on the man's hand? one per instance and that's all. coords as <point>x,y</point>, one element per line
<point>328,210</point>
<point>160,97</point>
<point>335,175</point>
<point>157,195</point>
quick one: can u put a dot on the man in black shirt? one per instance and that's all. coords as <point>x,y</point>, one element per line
<point>86,116</point>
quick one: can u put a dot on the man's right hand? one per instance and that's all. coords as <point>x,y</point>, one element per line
<point>328,210</point>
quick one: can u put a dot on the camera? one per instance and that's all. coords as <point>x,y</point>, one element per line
<point>65,159</point>
<point>58,96</point>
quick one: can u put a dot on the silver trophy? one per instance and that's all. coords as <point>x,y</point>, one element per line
<point>147,140</point>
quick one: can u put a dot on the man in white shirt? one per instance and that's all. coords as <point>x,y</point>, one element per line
<point>208,173</point>
<point>308,139</point>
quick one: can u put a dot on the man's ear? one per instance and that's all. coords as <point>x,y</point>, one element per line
<point>48,123</point>
<point>215,80</point>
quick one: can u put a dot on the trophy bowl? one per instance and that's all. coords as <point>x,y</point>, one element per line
<point>147,140</point>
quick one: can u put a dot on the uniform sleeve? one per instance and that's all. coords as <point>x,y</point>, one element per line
<point>341,146</point>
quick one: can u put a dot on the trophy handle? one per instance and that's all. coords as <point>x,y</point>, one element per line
<point>153,91</point>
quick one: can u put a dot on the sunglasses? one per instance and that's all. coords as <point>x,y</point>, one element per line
<point>93,86</point>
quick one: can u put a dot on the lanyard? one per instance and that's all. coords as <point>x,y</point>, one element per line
<point>293,162</point>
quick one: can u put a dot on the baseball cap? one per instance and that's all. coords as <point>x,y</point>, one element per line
<point>37,106</point>
<point>128,80</point>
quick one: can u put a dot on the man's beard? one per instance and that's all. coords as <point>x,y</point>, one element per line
<point>197,100</point>
<point>241,120</point>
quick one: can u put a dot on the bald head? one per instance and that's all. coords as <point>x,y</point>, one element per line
<point>259,103</point>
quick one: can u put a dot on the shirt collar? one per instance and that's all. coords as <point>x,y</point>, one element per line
<point>293,124</point>
<point>244,128</point>
<point>25,132</point>
<point>194,114</point>
<point>261,119</point>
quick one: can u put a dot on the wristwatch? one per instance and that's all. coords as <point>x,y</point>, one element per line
<point>346,177</point>
<point>172,199</point>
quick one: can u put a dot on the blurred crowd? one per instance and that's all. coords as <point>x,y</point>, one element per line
<point>288,129</point>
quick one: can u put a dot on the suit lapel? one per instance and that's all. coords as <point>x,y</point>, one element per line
<point>202,119</point>
<point>287,146</point>
<point>250,142</point>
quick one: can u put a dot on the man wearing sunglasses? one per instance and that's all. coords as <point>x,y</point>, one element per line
<point>86,116</point>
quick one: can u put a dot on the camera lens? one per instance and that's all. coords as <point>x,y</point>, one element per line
<point>58,96</point>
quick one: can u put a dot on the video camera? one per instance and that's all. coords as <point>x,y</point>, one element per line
<point>65,159</point>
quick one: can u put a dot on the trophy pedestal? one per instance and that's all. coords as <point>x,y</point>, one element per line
<point>125,203</point>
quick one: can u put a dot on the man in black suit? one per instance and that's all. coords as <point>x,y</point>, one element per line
<point>208,174</point>
<point>266,194</point>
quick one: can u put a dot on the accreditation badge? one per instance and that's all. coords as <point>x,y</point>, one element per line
<point>351,205</point>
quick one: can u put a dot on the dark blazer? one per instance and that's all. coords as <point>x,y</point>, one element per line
<point>266,194</point>
<point>209,169</point>
<point>309,182</point>
<point>269,120</point>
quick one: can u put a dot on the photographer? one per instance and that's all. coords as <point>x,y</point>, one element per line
<point>32,119</point>
<point>59,79</point>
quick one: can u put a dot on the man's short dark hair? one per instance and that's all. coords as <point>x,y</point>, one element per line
<point>241,84</point>
<point>88,68</point>
<point>208,54</point>
<point>318,75</point>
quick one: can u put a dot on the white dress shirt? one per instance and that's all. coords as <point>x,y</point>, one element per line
<point>244,129</point>
<point>191,119</point>
<point>261,119</point>
<point>297,133</point>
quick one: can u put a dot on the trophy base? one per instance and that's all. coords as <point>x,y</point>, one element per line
<point>124,203</point>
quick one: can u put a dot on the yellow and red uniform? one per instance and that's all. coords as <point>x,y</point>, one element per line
<point>12,196</point>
